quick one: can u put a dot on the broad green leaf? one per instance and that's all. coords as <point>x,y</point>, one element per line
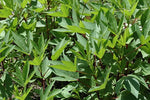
<point>5,12</point>
<point>29,39</point>
<point>29,78</point>
<point>81,49</point>
<point>113,44</point>
<point>63,13</point>
<point>67,66</point>
<point>59,50</point>
<point>121,24</point>
<point>28,26</point>
<point>78,29</point>
<point>139,34</point>
<point>42,1</point>
<point>23,96</point>
<point>55,14</point>
<point>132,85</point>
<point>9,3</point>
<point>75,14</point>
<point>45,68</point>
<point>140,79</point>
<point>20,41</point>
<point>85,1</point>
<point>119,85</point>
<point>146,28</point>
<point>124,37</point>
<point>44,94</point>
<point>65,9</point>
<point>2,49</point>
<point>18,77</point>
<point>2,29</point>
<point>128,13</point>
<point>39,9</point>
<point>24,3</point>
<point>40,24</point>
<point>62,30</point>
<point>78,55</point>
<point>36,47</point>
<point>62,79</point>
<point>81,24</point>
<point>145,16</point>
<point>145,70</point>
<point>15,21</point>
<point>8,50</point>
<point>146,49</point>
<point>62,72</point>
<point>53,93</point>
<point>25,71</point>
<point>112,22</point>
<point>125,95</point>
<point>26,93</point>
<point>102,86</point>
<point>37,60</point>
<point>101,52</point>
<point>2,58</point>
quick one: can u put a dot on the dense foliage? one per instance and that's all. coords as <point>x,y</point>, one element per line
<point>75,49</point>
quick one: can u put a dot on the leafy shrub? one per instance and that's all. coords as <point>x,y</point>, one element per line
<point>74,49</point>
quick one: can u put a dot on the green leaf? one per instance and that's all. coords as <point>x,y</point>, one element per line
<point>61,48</point>
<point>101,52</point>
<point>9,3</point>
<point>25,71</point>
<point>53,93</point>
<point>119,85</point>
<point>37,60</point>
<point>75,14</point>
<point>102,48</point>
<point>121,24</point>
<point>113,44</point>
<point>67,66</point>
<point>45,68</point>
<point>132,85</point>
<point>125,95</point>
<point>18,77</point>
<point>145,16</point>
<point>15,22</point>
<point>2,49</point>
<point>44,94</point>
<point>128,13</point>
<point>42,1</point>
<point>62,30</point>
<point>139,34</point>
<point>63,13</point>
<point>78,29</point>
<point>1,59</point>
<point>81,49</point>
<point>28,26</point>
<point>8,50</point>
<point>123,38</point>
<point>2,29</point>
<point>112,21</point>
<point>5,12</point>
<point>26,93</point>
<point>29,78</point>
<point>85,1</point>
<point>24,3</point>
<point>140,79</point>
<point>146,28</point>
<point>102,86</point>
<point>20,41</point>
